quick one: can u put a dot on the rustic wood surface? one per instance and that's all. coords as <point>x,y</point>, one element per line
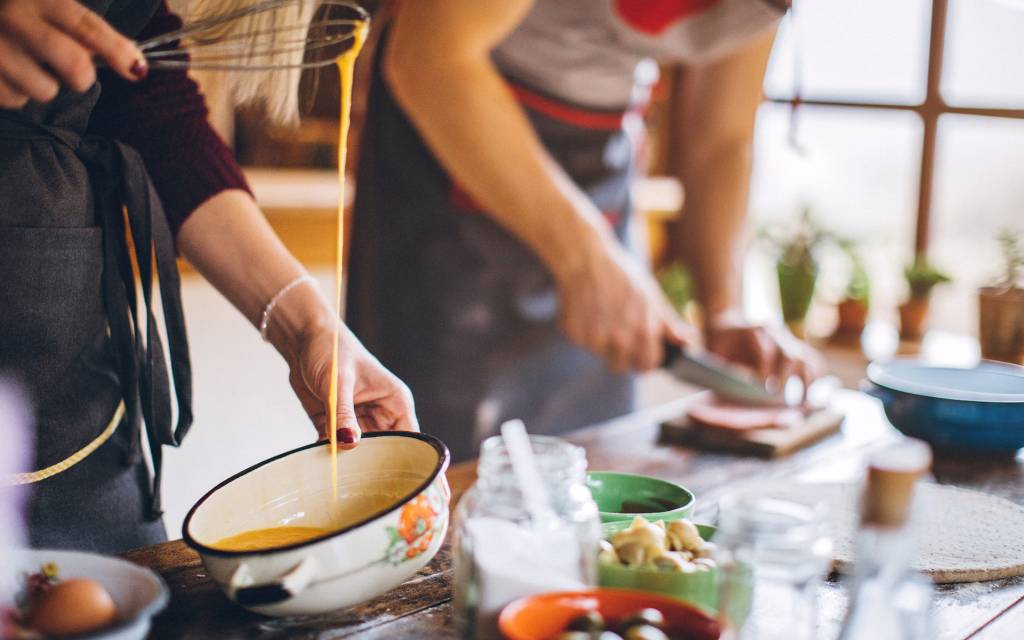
<point>421,608</point>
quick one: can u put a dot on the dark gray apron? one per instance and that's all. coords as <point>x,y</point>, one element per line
<point>457,307</point>
<point>71,330</point>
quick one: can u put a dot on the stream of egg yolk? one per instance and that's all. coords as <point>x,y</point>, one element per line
<point>346,69</point>
<point>257,539</point>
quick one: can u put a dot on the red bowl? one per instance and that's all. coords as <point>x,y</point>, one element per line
<point>546,615</point>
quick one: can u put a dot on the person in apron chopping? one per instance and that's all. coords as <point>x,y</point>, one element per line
<point>493,263</point>
<point>85,166</point>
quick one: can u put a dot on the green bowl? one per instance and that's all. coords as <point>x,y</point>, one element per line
<point>700,589</point>
<point>622,496</point>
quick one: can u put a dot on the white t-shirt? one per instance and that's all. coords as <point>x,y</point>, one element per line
<point>599,53</point>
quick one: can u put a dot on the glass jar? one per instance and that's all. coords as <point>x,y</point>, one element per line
<point>501,554</point>
<point>773,552</point>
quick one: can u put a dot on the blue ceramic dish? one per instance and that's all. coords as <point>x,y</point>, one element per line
<point>979,408</point>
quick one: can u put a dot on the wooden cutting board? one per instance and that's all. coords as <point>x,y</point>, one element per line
<point>764,443</point>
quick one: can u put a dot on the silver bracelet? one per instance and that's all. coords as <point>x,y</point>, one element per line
<point>267,310</point>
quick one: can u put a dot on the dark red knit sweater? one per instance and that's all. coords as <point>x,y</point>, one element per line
<point>164,118</point>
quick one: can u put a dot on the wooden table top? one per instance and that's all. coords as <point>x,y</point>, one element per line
<point>421,607</point>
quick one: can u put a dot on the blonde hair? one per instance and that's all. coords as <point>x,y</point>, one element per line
<point>276,89</point>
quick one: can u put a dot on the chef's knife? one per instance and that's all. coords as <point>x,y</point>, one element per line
<point>707,370</point>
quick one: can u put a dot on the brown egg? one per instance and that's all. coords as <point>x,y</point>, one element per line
<point>73,606</point>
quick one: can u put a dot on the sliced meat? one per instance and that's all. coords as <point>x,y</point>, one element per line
<point>712,412</point>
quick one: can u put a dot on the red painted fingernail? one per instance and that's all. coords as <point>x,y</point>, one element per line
<point>346,435</point>
<point>139,69</point>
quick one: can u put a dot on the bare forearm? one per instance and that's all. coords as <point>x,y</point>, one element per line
<point>711,232</point>
<point>713,151</point>
<point>229,241</point>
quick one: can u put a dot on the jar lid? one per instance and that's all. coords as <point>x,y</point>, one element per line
<point>892,474</point>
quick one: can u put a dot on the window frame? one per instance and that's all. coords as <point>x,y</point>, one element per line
<point>930,110</point>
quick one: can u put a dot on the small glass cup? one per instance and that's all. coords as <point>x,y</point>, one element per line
<point>773,552</point>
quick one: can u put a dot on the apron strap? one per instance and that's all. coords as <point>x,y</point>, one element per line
<point>151,236</point>
<point>129,209</point>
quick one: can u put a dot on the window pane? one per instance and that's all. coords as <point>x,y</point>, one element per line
<point>984,61</point>
<point>978,191</point>
<point>869,50</point>
<point>859,174</point>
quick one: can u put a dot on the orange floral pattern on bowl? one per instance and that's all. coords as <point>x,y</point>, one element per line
<point>419,522</point>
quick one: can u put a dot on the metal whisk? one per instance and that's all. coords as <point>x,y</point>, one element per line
<point>242,40</point>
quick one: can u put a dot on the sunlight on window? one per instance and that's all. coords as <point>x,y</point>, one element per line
<point>978,191</point>
<point>874,50</point>
<point>861,169</point>
<point>859,175</point>
<point>985,53</point>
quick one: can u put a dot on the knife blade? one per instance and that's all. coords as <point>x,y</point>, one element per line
<point>705,369</point>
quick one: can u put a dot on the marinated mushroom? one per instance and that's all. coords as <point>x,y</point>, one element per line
<point>704,564</point>
<point>640,543</point>
<point>682,535</point>
<point>706,550</point>
<point>674,546</point>
<point>674,561</point>
<point>607,554</point>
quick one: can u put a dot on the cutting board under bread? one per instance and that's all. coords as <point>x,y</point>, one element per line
<point>765,443</point>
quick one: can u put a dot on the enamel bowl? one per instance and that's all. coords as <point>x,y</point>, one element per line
<point>138,593</point>
<point>978,409</point>
<point>388,521</point>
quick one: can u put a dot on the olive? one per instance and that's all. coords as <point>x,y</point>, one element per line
<point>650,617</point>
<point>645,632</point>
<point>589,622</point>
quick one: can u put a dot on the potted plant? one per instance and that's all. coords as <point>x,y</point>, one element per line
<point>853,308</point>
<point>921,278</point>
<point>1001,307</point>
<point>796,266</point>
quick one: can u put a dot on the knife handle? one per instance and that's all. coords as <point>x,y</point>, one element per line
<point>673,352</point>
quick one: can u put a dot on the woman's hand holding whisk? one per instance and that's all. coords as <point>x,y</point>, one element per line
<point>45,44</point>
